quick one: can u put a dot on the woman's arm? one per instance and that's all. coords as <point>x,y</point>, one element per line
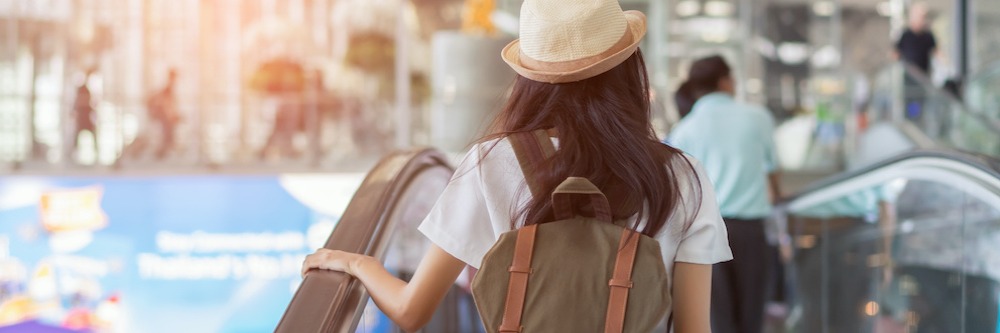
<point>409,305</point>
<point>692,292</point>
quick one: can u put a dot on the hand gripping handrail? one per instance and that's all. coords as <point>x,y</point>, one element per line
<point>329,301</point>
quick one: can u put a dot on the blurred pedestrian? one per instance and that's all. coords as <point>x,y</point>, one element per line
<point>916,46</point>
<point>83,114</point>
<point>735,143</point>
<point>287,122</point>
<point>162,108</point>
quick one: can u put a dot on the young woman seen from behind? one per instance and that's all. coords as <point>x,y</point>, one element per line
<point>593,98</point>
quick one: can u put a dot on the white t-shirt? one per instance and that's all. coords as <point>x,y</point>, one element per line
<point>477,206</point>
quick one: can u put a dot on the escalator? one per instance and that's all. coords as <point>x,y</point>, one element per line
<point>936,211</point>
<point>380,221</point>
<point>906,99</point>
<point>906,239</point>
<point>906,245</point>
<point>903,241</point>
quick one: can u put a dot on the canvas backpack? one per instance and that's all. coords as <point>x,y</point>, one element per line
<point>575,274</point>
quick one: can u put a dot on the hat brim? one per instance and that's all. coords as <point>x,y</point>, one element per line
<point>511,54</point>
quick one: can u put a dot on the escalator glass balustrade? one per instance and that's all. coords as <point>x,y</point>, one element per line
<point>906,246</point>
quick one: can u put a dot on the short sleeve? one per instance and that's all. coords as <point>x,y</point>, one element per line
<point>706,241</point>
<point>459,223</point>
<point>677,136</point>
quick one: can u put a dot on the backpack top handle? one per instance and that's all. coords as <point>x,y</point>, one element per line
<point>563,203</point>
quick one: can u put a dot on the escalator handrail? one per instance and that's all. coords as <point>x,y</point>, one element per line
<point>925,81</point>
<point>982,163</point>
<point>927,85</point>
<point>364,229</point>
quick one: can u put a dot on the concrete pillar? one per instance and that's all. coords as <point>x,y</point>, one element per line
<point>469,85</point>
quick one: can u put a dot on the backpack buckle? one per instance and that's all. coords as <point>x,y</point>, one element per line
<point>515,269</point>
<point>620,283</point>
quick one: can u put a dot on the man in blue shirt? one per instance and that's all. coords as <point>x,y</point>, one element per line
<point>734,142</point>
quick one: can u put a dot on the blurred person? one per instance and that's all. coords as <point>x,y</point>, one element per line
<point>916,46</point>
<point>83,114</point>
<point>594,102</point>
<point>287,122</point>
<point>162,108</point>
<point>735,143</point>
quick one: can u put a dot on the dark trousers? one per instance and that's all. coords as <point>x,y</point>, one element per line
<point>739,286</point>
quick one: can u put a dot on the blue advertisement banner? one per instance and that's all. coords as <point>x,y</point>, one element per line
<point>157,254</point>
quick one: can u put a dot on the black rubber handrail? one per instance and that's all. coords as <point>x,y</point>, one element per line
<point>328,301</point>
<point>981,162</point>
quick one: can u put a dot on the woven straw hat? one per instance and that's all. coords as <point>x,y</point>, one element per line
<point>571,40</point>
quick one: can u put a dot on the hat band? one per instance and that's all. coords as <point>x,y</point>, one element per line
<point>571,65</point>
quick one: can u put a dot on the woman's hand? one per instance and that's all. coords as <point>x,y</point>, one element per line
<point>333,260</point>
<point>409,305</point>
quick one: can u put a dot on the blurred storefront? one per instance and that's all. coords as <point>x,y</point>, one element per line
<point>240,66</point>
<point>320,82</point>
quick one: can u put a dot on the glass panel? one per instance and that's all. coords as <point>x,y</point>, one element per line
<point>923,288</point>
<point>982,91</point>
<point>981,266</point>
<point>836,266</point>
<point>903,256</point>
<point>902,95</point>
<point>984,22</point>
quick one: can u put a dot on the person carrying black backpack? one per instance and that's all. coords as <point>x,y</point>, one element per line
<point>578,218</point>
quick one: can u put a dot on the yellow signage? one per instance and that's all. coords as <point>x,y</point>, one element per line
<point>72,210</point>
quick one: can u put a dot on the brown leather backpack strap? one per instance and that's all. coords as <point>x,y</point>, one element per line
<point>621,282</point>
<point>562,198</point>
<point>531,148</point>
<point>517,286</point>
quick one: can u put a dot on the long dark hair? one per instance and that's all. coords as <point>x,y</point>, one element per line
<point>604,131</point>
<point>703,79</point>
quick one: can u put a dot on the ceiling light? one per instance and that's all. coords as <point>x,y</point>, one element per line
<point>793,53</point>
<point>826,57</point>
<point>718,8</point>
<point>710,29</point>
<point>824,8</point>
<point>688,8</point>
